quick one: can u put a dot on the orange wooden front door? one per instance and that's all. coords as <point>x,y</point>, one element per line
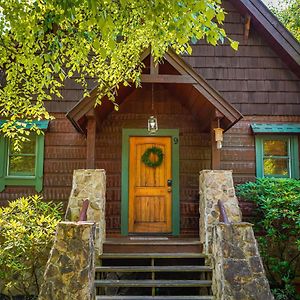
<point>150,198</point>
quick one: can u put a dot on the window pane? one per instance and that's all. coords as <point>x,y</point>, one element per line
<point>28,147</point>
<point>21,165</point>
<point>273,166</point>
<point>275,148</point>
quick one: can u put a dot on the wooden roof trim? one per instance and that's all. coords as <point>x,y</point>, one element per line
<point>273,28</point>
<point>187,75</point>
<point>203,87</point>
<point>83,106</point>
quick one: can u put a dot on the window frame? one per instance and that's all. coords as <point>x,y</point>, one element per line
<point>293,155</point>
<point>22,180</point>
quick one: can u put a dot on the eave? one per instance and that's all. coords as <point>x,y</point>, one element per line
<point>182,77</point>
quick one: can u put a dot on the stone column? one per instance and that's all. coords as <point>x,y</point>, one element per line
<point>215,185</point>
<point>238,269</point>
<point>91,185</point>
<point>70,270</point>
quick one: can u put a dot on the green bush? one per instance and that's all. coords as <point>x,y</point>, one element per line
<point>277,224</point>
<point>27,227</point>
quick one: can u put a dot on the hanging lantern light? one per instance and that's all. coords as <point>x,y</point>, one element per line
<point>152,125</point>
<point>219,136</point>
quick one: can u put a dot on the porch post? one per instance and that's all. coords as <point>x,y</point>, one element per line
<point>215,153</point>
<point>90,141</point>
<point>91,185</point>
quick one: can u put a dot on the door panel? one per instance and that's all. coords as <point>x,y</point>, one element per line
<point>149,196</point>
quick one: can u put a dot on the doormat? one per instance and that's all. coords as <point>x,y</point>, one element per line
<point>148,238</point>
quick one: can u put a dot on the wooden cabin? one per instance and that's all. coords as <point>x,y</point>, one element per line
<point>252,96</point>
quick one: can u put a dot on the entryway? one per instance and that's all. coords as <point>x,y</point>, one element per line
<point>150,182</point>
<point>150,185</point>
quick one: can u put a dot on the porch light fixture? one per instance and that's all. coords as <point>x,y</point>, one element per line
<point>219,137</point>
<point>152,125</point>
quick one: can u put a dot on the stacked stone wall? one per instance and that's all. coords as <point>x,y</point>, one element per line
<point>238,268</point>
<point>70,269</point>
<point>216,185</point>
<point>238,272</point>
<point>91,185</point>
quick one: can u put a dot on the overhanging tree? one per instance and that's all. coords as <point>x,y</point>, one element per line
<point>288,13</point>
<point>43,42</point>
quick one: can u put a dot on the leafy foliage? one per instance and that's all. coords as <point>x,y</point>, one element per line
<point>288,12</point>
<point>43,43</point>
<point>27,231</point>
<point>278,224</point>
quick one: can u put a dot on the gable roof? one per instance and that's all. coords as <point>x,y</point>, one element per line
<point>199,88</point>
<point>286,46</point>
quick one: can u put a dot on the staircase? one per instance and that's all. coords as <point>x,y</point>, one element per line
<point>166,269</point>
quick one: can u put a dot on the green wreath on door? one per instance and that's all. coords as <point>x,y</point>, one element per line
<point>155,151</point>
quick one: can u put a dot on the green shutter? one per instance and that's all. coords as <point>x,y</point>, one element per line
<point>2,163</point>
<point>39,167</point>
<point>259,156</point>
<point>294,157</point>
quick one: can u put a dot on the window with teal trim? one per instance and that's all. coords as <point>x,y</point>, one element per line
<point>277,156</point>
<point>25,167</point>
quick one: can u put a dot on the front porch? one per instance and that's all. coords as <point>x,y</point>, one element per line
<point>228,265</point>
<point>183,103</point>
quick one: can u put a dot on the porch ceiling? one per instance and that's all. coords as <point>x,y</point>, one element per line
<point>184,83</point>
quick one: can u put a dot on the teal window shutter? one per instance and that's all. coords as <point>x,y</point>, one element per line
<point>12,170</point>
<point>39,163</point>
<point>2,163</point>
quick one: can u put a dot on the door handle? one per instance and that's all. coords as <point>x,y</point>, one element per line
<point>169,185</point>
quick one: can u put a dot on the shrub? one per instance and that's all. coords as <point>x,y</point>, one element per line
<point>27,227</point>
<point>277,224</point>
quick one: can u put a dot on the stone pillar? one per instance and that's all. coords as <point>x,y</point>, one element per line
<point>238,269</point>
<point>91,185</point>
<point>70,270</point>
<point>215,185</point>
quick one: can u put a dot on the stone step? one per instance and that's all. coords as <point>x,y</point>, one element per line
<point>154,297</point>
<point>148,269</point>
<point>153,283</point>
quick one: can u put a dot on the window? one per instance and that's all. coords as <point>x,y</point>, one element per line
<point>277,156</point>
<point>24,168</point>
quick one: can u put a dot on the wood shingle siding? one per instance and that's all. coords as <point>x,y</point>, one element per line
<point>254,74</point>
<point>238,152</point>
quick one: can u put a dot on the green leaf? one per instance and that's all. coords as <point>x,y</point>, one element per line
<point>234,45</point>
